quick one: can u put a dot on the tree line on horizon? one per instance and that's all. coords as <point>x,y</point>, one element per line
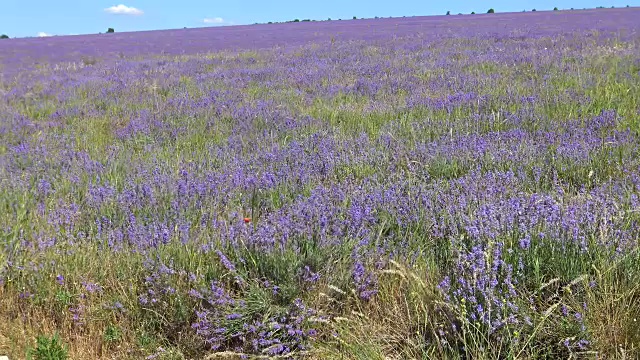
<point>492,11</point>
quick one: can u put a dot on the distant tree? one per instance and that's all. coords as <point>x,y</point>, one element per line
<point>355,18</point>
<point>533,10</point>
<point>3,36</point>
<point>296,20</point>
<point>555,9</point>
<point>110,30</point>
<point>491,11</point>
<point>448,12</point>
<point>473,13</point>
<point>306,20</point>
<point>329,19</point>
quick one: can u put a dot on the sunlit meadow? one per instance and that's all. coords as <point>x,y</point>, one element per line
<point>456,187</point>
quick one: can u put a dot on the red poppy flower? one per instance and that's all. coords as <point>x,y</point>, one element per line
<point>247,220</point>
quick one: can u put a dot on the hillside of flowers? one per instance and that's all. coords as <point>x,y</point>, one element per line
<point>462,187</point>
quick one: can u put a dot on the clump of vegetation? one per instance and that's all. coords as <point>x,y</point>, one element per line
<point>110,30</point>
<point>49,348</point>
<point>3,36</point>
<point>491,11</point>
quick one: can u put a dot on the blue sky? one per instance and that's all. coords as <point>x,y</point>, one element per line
<point>19,18</point>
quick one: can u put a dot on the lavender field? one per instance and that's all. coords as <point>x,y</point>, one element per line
<point>459,187</point>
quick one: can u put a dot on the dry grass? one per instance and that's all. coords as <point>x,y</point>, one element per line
<point>613,314</point>
<point>396,324</point>
<point>20,328</point>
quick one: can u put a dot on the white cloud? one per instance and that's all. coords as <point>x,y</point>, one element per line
<point>215,20</point>
<point>43,34</point>
<point>124,10</point>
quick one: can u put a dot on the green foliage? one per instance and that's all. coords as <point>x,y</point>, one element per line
<point>473,13</point>
<point>110,30</point>
<point>448,12</point>
<point>112,334</point>
<point>3,36</point>
<point>491,11</point>
<point>355,18</point>
<point>63,298</point>
<point>555,9</point>
<point>49,349</point>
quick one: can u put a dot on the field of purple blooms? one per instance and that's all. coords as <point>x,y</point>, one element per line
<point>462,187</point>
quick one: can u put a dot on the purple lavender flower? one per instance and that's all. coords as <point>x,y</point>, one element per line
<point>225,261</point>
